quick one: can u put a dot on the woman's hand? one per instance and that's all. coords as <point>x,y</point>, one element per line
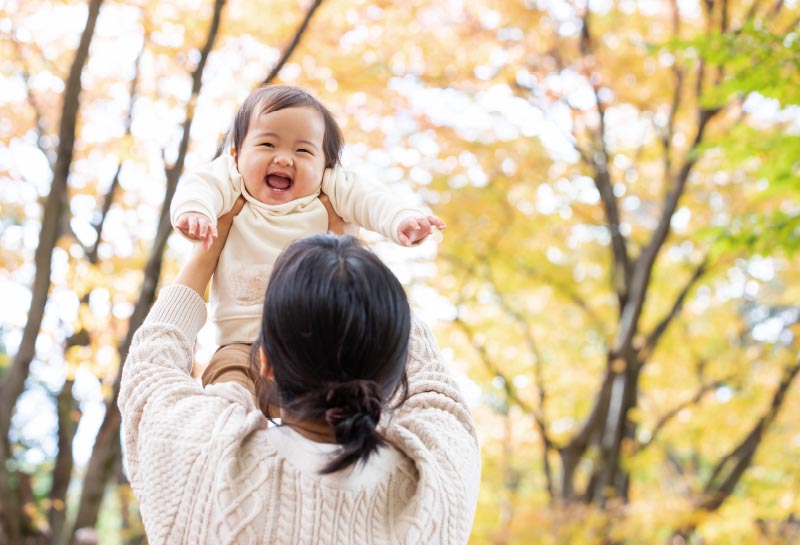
<point>336,224</point>
<point>196,272</point>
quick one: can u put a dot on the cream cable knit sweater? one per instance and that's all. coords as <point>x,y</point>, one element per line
<point>206,469</point>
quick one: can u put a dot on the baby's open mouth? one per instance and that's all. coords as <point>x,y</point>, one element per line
<point>279,182</point>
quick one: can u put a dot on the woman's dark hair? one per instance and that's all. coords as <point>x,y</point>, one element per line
<point>272,98</point>
<point>335,330</point>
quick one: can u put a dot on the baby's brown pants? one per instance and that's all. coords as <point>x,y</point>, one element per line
<point>233,363</point>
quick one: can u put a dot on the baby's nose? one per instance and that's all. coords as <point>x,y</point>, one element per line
<point>283,159</point>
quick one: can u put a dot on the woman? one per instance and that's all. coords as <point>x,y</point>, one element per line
<point>347,466</point>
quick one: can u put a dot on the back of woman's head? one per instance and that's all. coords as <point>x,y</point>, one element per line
<point>335,331</point>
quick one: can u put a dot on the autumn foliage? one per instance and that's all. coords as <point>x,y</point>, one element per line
<point>617,286</point>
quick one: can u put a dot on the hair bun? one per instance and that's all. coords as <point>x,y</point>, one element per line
<point>353,409</point>
<point>348,400</point>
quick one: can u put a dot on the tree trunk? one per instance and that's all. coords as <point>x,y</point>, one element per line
<point>101,462</point>
<point>52,220</point>
<point>107,448</point>
<point>610,478</point>
<point>608,422</point>
<point>68,417</point>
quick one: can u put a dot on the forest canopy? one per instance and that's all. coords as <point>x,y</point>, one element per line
<point>616,288</point>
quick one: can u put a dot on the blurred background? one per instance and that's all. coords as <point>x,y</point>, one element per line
<point>617,288</point>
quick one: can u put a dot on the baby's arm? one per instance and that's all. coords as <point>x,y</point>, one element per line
<point>373,206</point>
<point>202,196</point>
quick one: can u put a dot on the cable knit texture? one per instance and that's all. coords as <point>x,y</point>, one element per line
<point>207,469</point>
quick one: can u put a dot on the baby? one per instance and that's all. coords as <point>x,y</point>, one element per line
<point>284,151</point>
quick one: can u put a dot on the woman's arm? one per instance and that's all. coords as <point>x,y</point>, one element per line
<point>434,425</point>
<point>171,429</point>
<point>431,385</point>
<point>156,373</point>
<point>196,272</point>
<point>336,223</point>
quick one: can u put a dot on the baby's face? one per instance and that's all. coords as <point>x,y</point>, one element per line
<point>282,158</point>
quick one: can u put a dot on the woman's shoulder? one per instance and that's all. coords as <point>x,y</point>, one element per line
<point>434,423</point>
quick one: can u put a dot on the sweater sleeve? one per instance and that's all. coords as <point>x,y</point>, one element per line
<point>435,424</point>
<point>211,190</point>
<point>368,204</point>
<point>174,434</point>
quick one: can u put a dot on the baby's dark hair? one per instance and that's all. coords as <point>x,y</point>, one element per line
<point>271,98</point>
<point>335,329</point>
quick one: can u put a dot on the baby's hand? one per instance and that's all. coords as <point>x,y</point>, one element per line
<point>414,230</point>
<point>197,227</point>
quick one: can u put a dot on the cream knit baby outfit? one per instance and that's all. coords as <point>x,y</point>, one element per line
<point>207,469</point>
<point>261,232</point>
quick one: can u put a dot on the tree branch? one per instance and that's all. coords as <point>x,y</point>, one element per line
<point>530,96</point>
<point>41,128</point>
<point>655,335</point>
<point>751,13</point>
<point>667,417</point>
<point>526,334</point>
<point>567,291</point>
<point>639,284</point>
<point>541,422</point>
<point>669,130</point>
<point>108,200</point>
<point>585,41</point>
<point>621,269</point>
<point>795,23</point>
<point>733,465</point>
<point>776,8</point>
<point>571,294</point>
<point>644,264</point>
<point>723,17</point>
<point>293,44</point>
<point>68,230</point>
<point>511,394</point>
<point>571,452</point>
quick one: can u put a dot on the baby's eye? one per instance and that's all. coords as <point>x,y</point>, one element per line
<point>303,150</point>
<point>268,144</point>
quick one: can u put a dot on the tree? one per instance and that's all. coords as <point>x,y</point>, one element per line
<point>52,217</point>
<point>617,277</point>
<point>579,250</point>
